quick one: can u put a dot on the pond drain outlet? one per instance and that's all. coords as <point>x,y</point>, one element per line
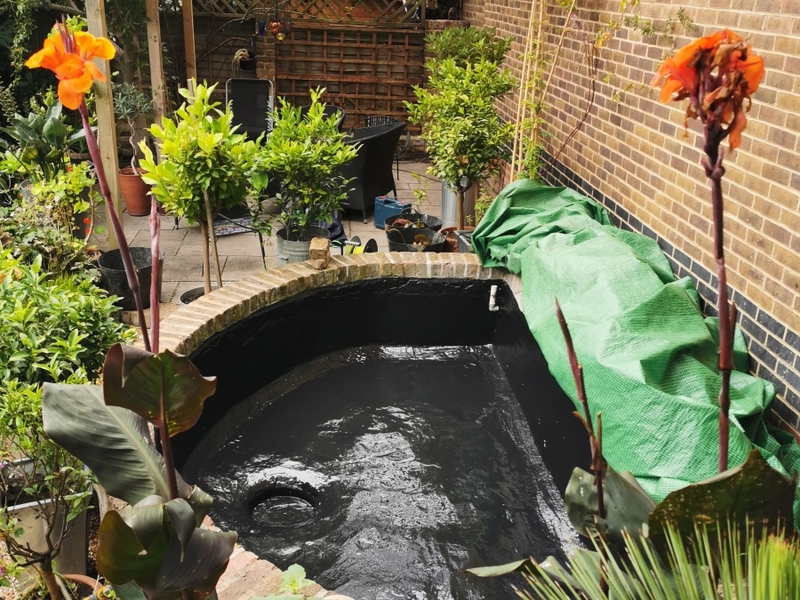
<point>284,506</point>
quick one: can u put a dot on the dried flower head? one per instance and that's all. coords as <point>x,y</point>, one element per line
<point>719,74</point>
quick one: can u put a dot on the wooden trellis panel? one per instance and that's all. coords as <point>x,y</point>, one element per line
<point>380,12</point>
<point>227,8</point>
<point>376,12</point>
<point>366,72</point>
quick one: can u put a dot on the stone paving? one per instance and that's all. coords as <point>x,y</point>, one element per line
<point>240,254</point>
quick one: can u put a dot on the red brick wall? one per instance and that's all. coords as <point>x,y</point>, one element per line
<point>634,156</point>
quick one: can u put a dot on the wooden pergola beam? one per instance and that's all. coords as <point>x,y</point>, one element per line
<point>188,39</point>
<point>156,59</point>
<point>104,108</point>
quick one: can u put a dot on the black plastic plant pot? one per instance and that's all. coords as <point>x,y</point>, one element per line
<point>115,282</point>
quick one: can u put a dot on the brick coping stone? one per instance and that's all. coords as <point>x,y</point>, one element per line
<point>187,328</point>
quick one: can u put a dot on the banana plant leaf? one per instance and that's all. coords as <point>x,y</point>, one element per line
<point>108,439</point>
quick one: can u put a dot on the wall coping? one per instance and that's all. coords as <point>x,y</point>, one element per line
<point>185,330</point>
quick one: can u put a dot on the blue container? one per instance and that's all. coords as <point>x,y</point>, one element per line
<point>386,207</point>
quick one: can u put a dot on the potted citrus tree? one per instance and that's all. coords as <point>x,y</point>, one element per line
<point>464,135</point>
<point>303,152</point>
<point>205,166</point>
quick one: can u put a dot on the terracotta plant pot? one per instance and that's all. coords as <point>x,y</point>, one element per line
<point>135,192</point>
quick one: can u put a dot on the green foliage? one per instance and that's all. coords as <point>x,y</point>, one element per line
<point>18,24</point>
<point>9,571</point>
<point>155,547</point>
<point>293,579</point>
<point>626,504</point>
<point>43,141</point>
<point>482,204</point>
<point>52,329</point>
<point>729,563</point>
<point>710,536</point>
<point>304,152</point>
<point>201,152</point>
<point>463,133</point>
<point>130,103</point>
<point>468,45</point>
<point>29,236</point>
<point>64,196</point>
<point>34,469</point>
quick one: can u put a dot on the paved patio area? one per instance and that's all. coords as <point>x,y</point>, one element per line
<point>240,254</point>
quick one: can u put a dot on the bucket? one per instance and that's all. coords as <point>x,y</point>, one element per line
<point>403,241</point>
<point>292,251</point>
<point>115,281</point>
<point>418,221</point>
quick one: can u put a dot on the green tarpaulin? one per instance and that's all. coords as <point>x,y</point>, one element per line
<point>648,353</point>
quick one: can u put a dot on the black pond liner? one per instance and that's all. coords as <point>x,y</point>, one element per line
<point>385,435</point>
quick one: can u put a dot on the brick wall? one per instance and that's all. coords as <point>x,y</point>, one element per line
<point>634,156</point>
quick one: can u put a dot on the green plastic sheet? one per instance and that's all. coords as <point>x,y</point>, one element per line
<point>648,353</point>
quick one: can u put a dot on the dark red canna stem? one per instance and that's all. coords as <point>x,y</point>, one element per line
<point>580,390</point>
<point>714,170</point>
<point>155,237</point>
<point>124,250</point>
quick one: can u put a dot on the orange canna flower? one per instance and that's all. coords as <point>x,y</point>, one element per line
<point>69,55</point>
<point>718,73</point>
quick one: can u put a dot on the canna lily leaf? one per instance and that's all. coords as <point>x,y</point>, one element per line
<point>752,493</point>
<point>204,560</point>
<point>108,439</point>
<point>120,555</point>
<point>182,520</point>
<point>166,565</point>
<point>499,570</point>
<point>627,505</point>
<point>147,520</point>
<point>156,386</point>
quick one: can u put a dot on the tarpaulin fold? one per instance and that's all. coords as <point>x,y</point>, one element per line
<point>649,355</point>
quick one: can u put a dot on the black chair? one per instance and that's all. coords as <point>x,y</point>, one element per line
<point>371,169</point>
<point>373,121</point>
<point>328,111</point>
<point>251,104</point>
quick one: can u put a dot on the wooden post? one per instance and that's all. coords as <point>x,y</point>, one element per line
<point>104,109</point>
<point>188,39</point>
<point>156,59</point>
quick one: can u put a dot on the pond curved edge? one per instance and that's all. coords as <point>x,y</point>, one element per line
<point>186,329</point>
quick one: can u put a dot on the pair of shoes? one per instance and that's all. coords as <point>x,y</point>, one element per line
<point>354,246</point>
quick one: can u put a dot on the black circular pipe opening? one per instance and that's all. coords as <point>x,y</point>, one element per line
<point>283,505</point>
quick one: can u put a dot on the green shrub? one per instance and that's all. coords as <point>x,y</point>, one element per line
<point>304,153</point>
<point>468,45</point>
<point>51,330</point>
<point>27,236</point>
<point>35,469</point>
